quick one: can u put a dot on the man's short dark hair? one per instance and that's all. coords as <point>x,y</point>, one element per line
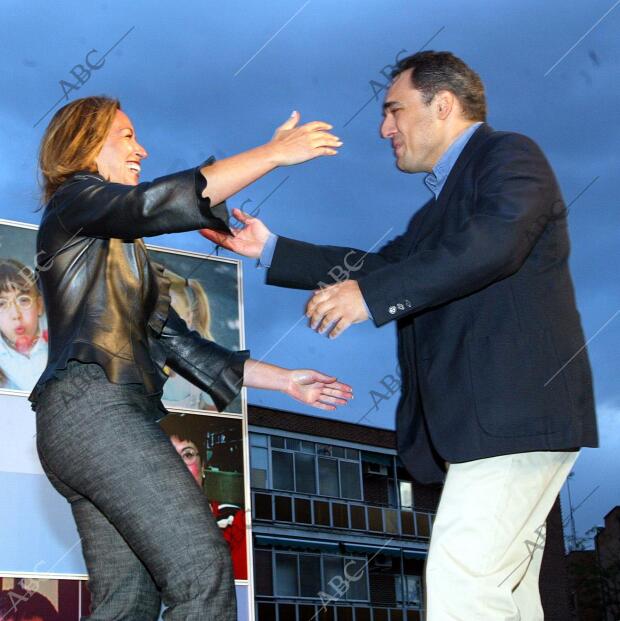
<point>443,71</point>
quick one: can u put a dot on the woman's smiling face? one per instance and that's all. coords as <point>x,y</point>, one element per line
<point>121,154</point>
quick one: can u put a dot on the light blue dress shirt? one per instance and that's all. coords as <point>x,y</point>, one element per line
<point>435,180</point>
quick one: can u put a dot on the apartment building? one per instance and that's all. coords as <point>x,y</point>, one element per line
<point>340,529</point>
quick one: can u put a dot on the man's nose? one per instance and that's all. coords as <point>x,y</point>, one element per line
<point>387,128</point>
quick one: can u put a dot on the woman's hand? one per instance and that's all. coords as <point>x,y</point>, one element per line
<point>317,389</point>
<point>292,144</point>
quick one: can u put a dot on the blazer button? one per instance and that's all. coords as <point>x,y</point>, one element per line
<point>400,306</point>
<point>392,310</point>
<point>407,304</point>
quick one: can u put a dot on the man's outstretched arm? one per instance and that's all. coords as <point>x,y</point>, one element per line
<point>301,265</point>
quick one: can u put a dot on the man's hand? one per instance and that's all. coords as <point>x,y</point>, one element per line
<point>292,145</point>
<point>317,389</point>
<point>247,240</point>
<point>337,306</point>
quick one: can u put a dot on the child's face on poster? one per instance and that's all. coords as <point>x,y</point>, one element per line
<point>191,456</point>
<point>19,316</point>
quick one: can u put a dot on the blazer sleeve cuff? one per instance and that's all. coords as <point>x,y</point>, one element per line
<point>383,303</point>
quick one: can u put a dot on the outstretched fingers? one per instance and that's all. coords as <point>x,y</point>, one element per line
<point>339,395</point>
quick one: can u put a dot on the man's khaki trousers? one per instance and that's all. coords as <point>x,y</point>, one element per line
<point>488,537</point>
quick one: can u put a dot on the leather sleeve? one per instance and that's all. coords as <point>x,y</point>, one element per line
<point>90,206</point>
<point>213,368</point>
<point>514,202</point>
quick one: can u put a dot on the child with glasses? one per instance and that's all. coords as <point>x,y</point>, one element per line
<point>23,330</point>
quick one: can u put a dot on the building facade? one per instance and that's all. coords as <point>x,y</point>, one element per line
<point>585,586</point>
<point>607,545</point>
<point>340,529</point>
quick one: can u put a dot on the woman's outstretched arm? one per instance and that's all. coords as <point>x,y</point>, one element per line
<point>291,144</point>
<point>306,385</point>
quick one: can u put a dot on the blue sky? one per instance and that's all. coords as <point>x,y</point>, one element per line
<point>216,78</point>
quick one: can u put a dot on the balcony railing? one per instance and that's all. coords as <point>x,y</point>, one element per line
<point>332,513</point>
<point>293,611</point>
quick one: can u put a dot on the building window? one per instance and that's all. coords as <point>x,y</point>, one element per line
<point>259,460</point>
<point>277,441</point>
<point>355,573</point>
<point>328,476</point>
<point>339,477</point>
<point>305,467</point>
<point>350,480</point>
<point>309,575</point>
<point>345,578</point>
<point>409,590</point>
<point>262,575</point>
<point>315,576</point>
<point>305,480</point>
<point>258,439</point>
<point>282,469</point>
<point>286,575</point>
<point>406,494</point>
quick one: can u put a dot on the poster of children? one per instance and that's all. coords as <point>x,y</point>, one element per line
<point>38,599</point>
<point>205,291</point>
<point>23,325</point>
<point>211,447</point>
<point>206,294</point>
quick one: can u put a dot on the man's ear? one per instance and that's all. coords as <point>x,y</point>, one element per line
<point>444,102</point>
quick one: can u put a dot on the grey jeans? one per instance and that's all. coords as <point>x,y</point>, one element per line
<point>146,528</point>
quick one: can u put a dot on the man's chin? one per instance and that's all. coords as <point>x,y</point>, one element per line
<point>402,166</point>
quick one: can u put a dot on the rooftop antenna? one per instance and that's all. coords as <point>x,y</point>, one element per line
<point>571,515</point>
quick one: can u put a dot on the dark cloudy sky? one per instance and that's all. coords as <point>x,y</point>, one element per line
<point>201,78</point>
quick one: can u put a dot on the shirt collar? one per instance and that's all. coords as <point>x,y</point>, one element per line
<point>435,180</point>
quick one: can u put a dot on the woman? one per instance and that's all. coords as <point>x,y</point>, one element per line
<point>147,530</point>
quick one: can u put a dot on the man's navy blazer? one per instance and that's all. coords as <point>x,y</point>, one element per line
<point>490,342</point>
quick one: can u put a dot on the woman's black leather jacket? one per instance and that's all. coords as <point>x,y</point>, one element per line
<point>107,303</point>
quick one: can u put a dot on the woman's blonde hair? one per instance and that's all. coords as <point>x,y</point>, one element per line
<point>73,139</point>
<point>193,293</point>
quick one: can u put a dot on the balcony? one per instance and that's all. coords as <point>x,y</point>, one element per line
<point>295,611</point>
<point>334,513</point>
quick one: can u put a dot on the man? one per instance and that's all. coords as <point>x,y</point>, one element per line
<point>496,384</point>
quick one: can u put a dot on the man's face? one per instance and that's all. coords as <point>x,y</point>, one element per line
<point>412,126</point>
<point>120,156</point>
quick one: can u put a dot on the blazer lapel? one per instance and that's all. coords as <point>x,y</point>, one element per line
<point>436,210</point>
